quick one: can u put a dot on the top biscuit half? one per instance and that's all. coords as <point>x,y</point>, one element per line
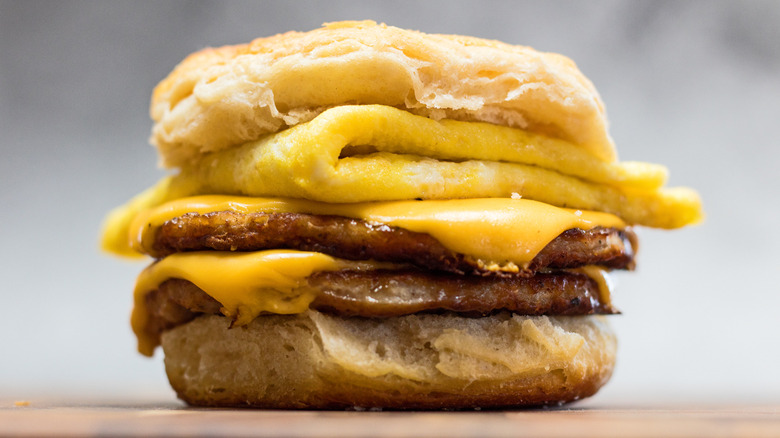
<point>219,98</point>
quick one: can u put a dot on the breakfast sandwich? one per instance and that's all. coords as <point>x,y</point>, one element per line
<point>362,216</point>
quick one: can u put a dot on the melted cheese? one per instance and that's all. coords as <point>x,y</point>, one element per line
<point>495,230</point>
<point>251,283</point>
<point>368,162</point>
<point>245,284</point>
<point>602,279</point>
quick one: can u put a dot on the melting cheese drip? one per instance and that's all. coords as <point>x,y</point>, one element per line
<point>602,279</point>
<point>495,230</point>
<point>245,284</point>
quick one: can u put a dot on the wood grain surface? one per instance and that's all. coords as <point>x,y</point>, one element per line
<point>41,417</point>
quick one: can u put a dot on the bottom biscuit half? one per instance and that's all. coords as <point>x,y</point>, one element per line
<point>423,361</point>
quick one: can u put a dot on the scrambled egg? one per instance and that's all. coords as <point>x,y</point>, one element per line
<point>379,153</point>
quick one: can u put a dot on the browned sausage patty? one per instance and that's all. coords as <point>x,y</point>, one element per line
<point>355,239</point>
<point>388,293</point>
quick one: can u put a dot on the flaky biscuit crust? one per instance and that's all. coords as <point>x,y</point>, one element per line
<point>421,361</point>
<point>221,97</point>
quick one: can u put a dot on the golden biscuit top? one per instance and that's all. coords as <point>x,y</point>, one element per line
<point>219,98</point>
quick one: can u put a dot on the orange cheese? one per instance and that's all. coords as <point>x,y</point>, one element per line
<point>248,284</point>
<point>496,230</point>
<point>602,279</point>
<point>245,284</point>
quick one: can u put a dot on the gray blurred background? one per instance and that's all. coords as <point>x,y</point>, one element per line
<point>694,85</point>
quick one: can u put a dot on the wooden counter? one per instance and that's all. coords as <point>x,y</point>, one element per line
<point>588,419</point>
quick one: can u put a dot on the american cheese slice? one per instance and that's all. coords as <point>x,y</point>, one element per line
<point>245,284</point>
<point>251,283</point>
<point>495,230</point>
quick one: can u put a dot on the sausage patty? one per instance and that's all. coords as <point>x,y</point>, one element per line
<point>355,239</point>
<point>388,293</point>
